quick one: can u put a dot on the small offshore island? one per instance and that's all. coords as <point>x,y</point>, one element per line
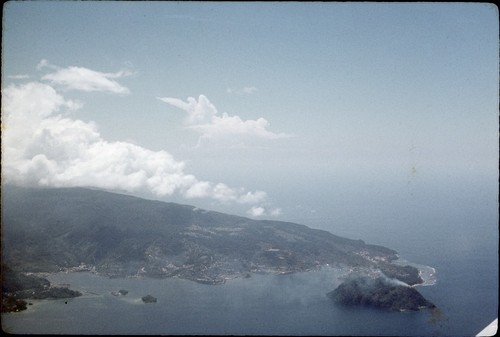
<point>149,299</point>
<point>115,235</point>
<point>379,292</point>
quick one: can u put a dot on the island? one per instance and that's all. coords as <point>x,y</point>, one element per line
<point>379,292</point>
<point>149,299</point>
<point>116,235</point>
<point>120,292</point>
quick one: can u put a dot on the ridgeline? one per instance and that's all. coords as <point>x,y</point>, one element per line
<point>116,235</point>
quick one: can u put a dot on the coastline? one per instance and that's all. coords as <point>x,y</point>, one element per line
<point>427,273</point>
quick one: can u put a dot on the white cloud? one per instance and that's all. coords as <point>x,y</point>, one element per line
<point>242,91</point>
<point>200,189</point>
<point>223,193</point>
<point>18,77</point>
<point>276,212</point>
<point>44,64</point>
<point>232,127</point>
<point>199,112</point>
<point>253,197</point>
<point>204,119</point>
<point>42,146</point>
<point>24,108</point>
<point>259,211</point>
<point>84,79</point>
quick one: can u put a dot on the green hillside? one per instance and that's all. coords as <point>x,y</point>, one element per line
<point>49,229</point>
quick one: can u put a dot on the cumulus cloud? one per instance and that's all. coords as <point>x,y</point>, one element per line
<point>259,211</point>
<point>201,112</point>
<point>203,117</point>
<point>223,193</point>
<point>84,79</point>
<point>42,146</point>
<point>252,197</point>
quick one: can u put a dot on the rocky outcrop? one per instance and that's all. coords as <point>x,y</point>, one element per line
<point>380,293</point>
<point>149,299</point>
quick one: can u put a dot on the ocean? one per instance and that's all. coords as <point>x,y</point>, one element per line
<point>452,229</point>
<point>261,305</point>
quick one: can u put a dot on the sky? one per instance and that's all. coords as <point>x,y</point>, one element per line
<point>277,110</point>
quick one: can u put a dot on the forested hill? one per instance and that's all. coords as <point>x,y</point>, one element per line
<point>52,229</point>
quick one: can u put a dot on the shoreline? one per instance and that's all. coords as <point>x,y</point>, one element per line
<point>426,273</point>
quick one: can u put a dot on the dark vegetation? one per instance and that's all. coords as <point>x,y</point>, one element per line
<point>49,230</point>
<point>379,293</point>
<point>16,287</point>
<point>11,304</point>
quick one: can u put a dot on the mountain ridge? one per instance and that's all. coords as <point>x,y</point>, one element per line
<point>118,235</point>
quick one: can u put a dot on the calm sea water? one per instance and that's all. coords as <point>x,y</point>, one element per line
<point>289,305</point>
<point>455,232</point>
<point>261,305</point>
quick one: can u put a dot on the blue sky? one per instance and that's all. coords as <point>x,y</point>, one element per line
<point>258,109</point>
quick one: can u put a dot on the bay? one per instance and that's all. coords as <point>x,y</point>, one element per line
<point>293,304</point>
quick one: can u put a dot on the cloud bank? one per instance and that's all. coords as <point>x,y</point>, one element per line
<point>203,117</point>
<point>42,146</point>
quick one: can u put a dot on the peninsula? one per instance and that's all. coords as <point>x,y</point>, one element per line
<point>17,287</point>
